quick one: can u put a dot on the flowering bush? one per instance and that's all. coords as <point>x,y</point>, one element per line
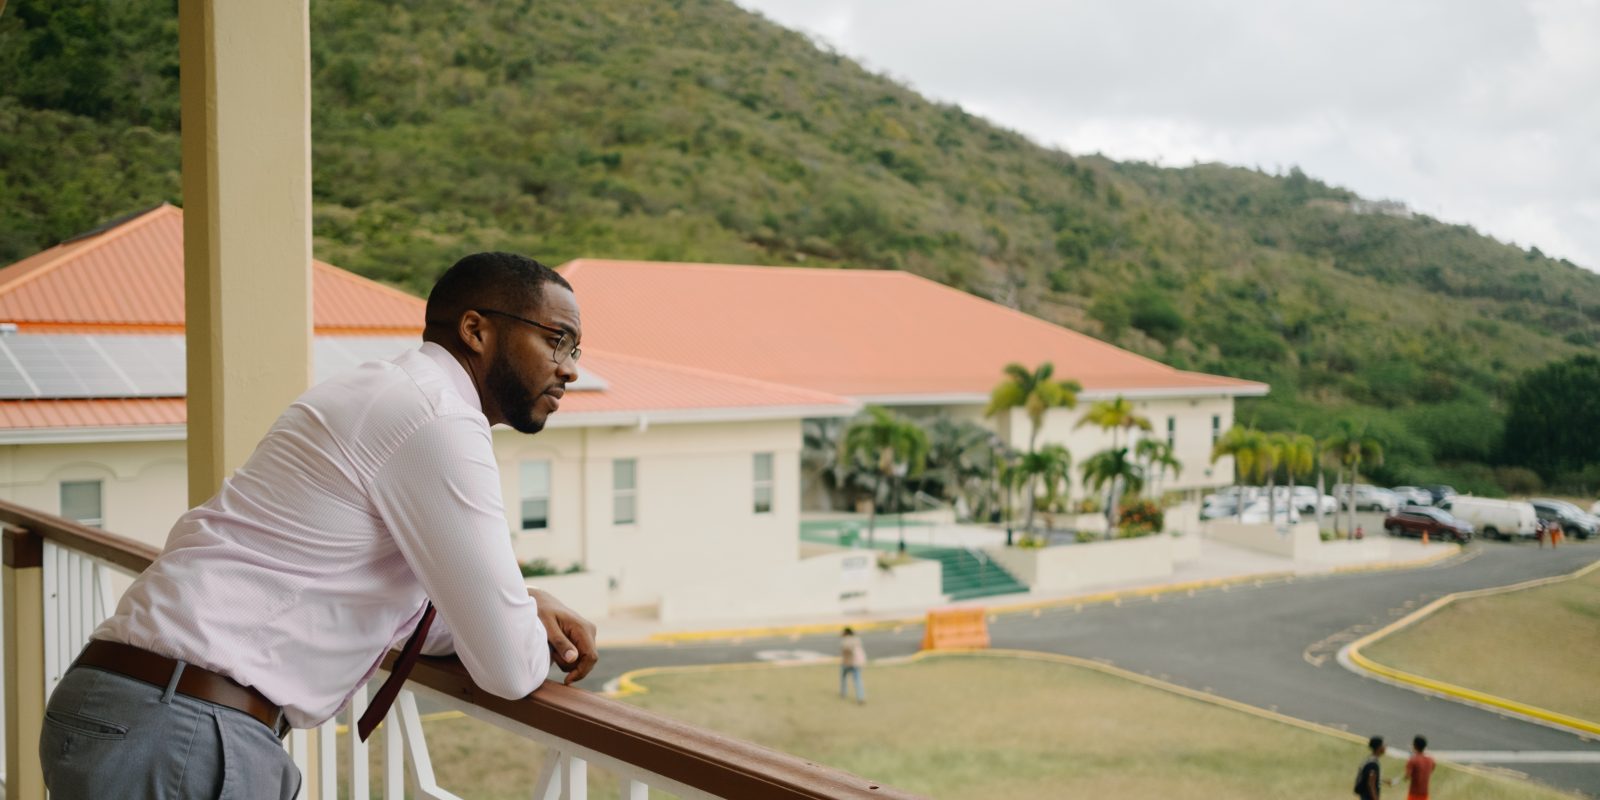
<point>1140,518</point>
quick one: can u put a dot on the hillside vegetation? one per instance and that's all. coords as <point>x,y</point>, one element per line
<point>693,130</point>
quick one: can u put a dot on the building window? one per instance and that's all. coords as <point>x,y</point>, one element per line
<point>763,483</point>
<point>624,491</point>
<point>1172,432</point>
<point>80,501</point>
<point>1216,427</point>
<point>535,495</point>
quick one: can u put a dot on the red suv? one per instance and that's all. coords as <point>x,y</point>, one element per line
<point>1438,524</point>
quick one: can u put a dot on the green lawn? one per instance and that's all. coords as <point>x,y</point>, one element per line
<point>980,727</point>
<point>1536,646</point>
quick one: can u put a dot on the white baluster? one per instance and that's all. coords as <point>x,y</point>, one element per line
<point>52,620</point>
<point>302,758</point>
<point>84,597</point>
<point>328,760</point>
<point>549,784</point>
<point>417,748</point>
<point>394,757</point>
<point>359,784</point>
<point>105,602</point>
<point>635,790</point>
<point>575,779</point>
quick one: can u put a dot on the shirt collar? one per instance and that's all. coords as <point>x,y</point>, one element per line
<point>458,374</point>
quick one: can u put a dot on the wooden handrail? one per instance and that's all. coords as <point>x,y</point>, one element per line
<point>130,554</point>
<point>693,756</point>
<point>690,755</point>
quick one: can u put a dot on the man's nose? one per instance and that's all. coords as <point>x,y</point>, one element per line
<point>567,370</point>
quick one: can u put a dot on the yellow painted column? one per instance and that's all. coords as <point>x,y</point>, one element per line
<point>246,94</point>
<point>23,578</point>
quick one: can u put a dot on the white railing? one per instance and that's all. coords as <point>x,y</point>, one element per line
<point>59,584</point>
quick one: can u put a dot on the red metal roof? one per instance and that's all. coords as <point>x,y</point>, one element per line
<point>128,278</point>
<point>634,386</point>
<point>859,333</point>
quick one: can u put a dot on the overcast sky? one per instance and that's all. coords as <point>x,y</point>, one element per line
<point>1485,112</point>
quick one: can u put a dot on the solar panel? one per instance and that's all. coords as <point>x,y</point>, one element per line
<point>39,366</point>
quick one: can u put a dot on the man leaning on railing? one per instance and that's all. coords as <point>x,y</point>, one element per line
<point>370,514</point>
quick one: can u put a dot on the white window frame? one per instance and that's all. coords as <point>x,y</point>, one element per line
<point>1172,431</point>
<point>624,495</point>
<point>533,494</point>
<point>761,485</point>
<point>100,501</point>
<point>1216,427</point>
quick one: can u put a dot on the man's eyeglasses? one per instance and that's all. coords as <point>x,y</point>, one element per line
<point>566,346</point>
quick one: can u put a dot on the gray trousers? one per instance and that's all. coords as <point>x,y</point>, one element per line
<point>110,736</point>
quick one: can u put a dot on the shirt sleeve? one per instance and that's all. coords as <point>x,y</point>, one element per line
<point>439,495</point>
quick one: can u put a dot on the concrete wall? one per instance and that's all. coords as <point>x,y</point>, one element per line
<point>583,592</point>
<point>1299,542</point>
<point>1078,566</point>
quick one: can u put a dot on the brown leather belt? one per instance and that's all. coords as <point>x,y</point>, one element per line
<point>201,684</point>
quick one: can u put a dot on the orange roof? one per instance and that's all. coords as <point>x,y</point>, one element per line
<point>861,333</point>
<point>633,387</point>
<point>128,278</point>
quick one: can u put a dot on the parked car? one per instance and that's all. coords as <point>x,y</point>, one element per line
<point>1216,507</point>
<point>1438,524</point>
<point>1495,519</point>
<point>1440,492</point>
<point>1595,509</point>
<point>1366,498</point>
<point>1256,513</point>
<point>1306,500</point>
<point>1413,495</point>
<point>1575,522</point>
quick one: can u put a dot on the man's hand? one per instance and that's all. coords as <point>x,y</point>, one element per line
<point>571,636</point>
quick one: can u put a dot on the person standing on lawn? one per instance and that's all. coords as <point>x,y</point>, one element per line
<point>1370,780</point>
<point>1419,770</point>
<point>852,657</point>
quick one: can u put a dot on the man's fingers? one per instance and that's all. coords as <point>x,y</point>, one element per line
<point>585,664</point>
<point>561,646</point>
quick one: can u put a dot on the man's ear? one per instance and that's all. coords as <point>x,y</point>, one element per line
<point>475,332</point>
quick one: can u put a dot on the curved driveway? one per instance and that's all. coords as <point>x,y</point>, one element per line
<point>1271,646</point>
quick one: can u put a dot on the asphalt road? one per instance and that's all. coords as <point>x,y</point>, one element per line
<point>1271,646</point>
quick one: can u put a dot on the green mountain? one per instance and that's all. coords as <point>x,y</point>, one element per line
<point>693,130</point>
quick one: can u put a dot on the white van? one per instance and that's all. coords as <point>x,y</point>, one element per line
<point>1494,519</point>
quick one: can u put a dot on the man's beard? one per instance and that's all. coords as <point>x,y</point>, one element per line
<point>513,397</point>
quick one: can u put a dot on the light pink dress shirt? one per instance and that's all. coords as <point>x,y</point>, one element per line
<point>374,491</point>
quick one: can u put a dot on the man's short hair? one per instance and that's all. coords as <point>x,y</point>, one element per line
<point>500,281</point>
<point>849,632</point>
<point>1375,743</point>
<point>1420,743</point>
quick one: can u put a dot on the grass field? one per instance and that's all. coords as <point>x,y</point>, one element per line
<point>979,727</point>
<point>1536,646</point>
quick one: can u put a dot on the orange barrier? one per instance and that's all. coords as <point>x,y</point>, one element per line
<point>955,628</point>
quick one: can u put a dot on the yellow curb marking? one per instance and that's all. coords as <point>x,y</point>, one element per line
<point>1357,658</point>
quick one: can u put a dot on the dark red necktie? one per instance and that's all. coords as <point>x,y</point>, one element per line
<point>397,677</point>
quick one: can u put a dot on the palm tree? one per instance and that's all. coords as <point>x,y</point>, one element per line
<point>1271,455</point>
<point>895,446</point>
<point>1155,455</point>
<point>1112,467</point>
<point>1050,466</point>
<point>960,458</point>
<point>1299,453</point>
<point>1115,416</point>
<point>1351,447</point>
<point>1035,392</point>
<point>1249,449</point>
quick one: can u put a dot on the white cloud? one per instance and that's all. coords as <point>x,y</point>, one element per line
<point>1476,111</point>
